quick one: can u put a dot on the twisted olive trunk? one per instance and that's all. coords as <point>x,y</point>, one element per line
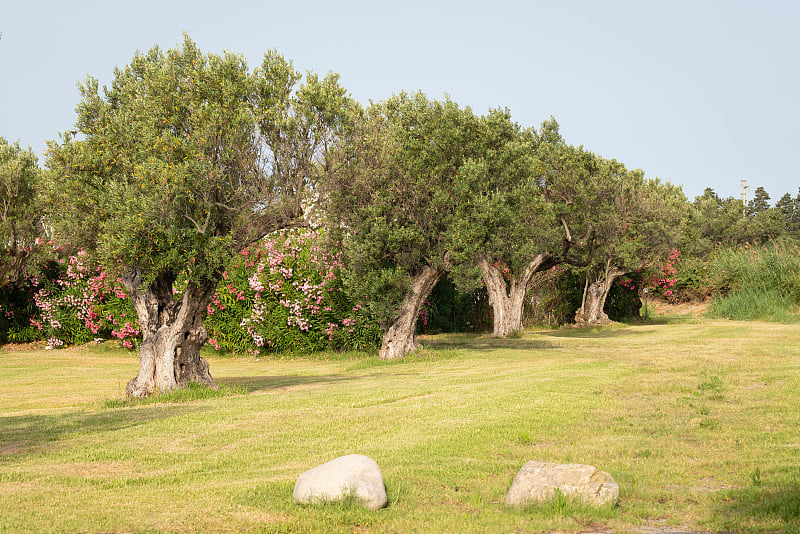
<point>172,334</point>
<point>591,312</point>
<point>401,338</point>
<point>507,299</point>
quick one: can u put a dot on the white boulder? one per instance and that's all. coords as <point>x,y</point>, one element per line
<point>352,475</point>
<point>538,482</point>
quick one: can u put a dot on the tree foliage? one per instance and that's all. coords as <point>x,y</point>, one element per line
<point>631,222</point>
<point>188,158</point>
<point>788,210</point>
<point>20,213</point>
<point>510,227</point>
<point>395,200</point>
<point>715,222</point>
<point>507,216</point>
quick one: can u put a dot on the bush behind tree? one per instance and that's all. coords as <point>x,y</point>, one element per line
<point>558,294</point>
<point>16,311</point>
<point>284,294</point>
<point>554,298</point>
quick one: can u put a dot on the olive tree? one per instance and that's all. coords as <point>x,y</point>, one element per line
<point>184,160</point>
<point>394,201</point>
<point>634,221</point>
<point>510,228</point>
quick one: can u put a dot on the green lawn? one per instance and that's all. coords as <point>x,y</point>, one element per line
<point>697,420</point>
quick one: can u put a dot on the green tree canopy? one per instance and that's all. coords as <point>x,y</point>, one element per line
<point>719,222</point>
<point>789,210</point>
<point>759,203</point>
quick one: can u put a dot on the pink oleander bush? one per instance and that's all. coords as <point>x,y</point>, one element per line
<point>76,304</point>
<point>282,294</point>
<point>624,299</point>
<point>662,278</point>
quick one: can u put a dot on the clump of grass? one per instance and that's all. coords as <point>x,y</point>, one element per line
<point>710,383</point>
<point>750,304</point>
<point>568,506</point>
<point>756,283</point>
<point>516,334</point>
<point>755,477</point>
<point>192,392</point>
<point>524,438</point>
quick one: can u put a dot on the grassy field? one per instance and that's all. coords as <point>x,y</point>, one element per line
<point>698,421</point>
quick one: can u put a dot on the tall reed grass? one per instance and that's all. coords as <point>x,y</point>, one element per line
<point>756,283</point>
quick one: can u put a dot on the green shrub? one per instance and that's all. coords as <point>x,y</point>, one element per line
<point>555,297</point>
<point>450,310</point>
<point>693,280</point>
<point>16,310</point>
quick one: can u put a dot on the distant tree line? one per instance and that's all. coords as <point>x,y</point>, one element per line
<point>714,221</point>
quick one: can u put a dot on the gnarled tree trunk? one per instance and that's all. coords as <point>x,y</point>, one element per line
<point>12,265</point>
<point>172,334</point>
<point>508,299</point>
<point>401,336</point>
<point>594,298</point>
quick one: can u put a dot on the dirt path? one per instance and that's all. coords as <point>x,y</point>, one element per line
<point>662,307</point>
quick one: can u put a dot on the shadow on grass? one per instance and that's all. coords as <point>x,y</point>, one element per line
<point>264,383</point>
<point>24,433</point>
<point>774,508</point>
<point>612,330</point>
<point>525,342</point>
<point>466,342</point>
<point>666,319</point>
<point>322,356</point>
<point>594,332</point>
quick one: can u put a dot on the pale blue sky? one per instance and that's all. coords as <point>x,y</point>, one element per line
<point>699,93</point>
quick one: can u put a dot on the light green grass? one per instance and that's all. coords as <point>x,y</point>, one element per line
<point>698,421</point>
<point>750,304</point>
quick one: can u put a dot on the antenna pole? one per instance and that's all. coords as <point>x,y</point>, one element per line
<point>744,198</point>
